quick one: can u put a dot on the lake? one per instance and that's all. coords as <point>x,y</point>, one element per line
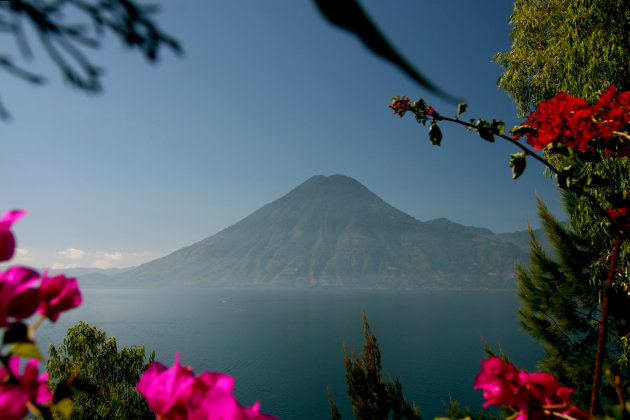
<point>284,347</point>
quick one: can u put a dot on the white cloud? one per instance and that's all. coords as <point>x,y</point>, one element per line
<point>21,252</point>
<point>72,254</point>
<point>114,256</point>
<point>60,266</point>
<point>101,264</point>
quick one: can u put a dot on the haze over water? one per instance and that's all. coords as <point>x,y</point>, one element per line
<point>284,347</point>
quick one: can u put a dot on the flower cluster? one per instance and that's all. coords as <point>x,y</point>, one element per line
<point>530,394</point>
<point>177,394</point>
<point>20,298</point>
<point>17,393</point>
<point>400,105</point>
<point>583,127</point>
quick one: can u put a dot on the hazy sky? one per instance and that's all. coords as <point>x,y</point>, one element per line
<point>267,95</point>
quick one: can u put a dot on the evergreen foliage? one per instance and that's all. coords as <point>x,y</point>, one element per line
<point>86,353</point>
<point>372,398</point>
<point>576,46</point>
<point>561,309</point>
<point>579,47</point>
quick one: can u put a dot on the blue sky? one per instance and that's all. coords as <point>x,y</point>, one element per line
<point>266,95</point>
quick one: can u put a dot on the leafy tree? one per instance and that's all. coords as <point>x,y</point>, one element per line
<point>87,356</point>
<point>372,398</point>
<point>66,28</point>
<point>574,46</point>
<point>580,47</point>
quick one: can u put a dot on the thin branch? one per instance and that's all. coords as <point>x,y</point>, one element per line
<point>603,328</point>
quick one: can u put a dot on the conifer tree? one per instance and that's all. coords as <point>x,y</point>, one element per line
<point>561,309</point>
<point>372,398</point>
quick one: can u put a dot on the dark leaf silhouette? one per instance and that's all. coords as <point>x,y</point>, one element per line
<point>349,15</point>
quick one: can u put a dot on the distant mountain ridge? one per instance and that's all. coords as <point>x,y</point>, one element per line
<point>520,238</point>
<point>331,231</point>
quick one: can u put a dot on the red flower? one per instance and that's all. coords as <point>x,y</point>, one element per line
<point>580,126</point>
<point>400,105</point>
<point>620,216</point>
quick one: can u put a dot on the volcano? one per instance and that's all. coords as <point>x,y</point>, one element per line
<point>331,231</point>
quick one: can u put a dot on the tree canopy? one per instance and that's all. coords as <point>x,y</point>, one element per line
<point>575,46</point>
<point>86,355</point>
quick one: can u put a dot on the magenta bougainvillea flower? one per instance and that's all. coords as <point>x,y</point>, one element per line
<point>530,394</point>
<point>177,394</point>
<point>167,391</point>
<point>18,299</point>
<point>500,382</point>
<point>7,240</point>
<point>58,294</point>
<point>14,394</point>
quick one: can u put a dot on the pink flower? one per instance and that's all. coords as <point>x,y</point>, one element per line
<point>29,387</point>
<point>177,394</point>
<point>167,391</point>
<point>531,394</point>
<point>58,294</point>
<point>18,299</point>
<point>7,240</point>
<point>500,382</point>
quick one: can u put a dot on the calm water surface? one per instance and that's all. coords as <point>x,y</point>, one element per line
<point>285,347</point>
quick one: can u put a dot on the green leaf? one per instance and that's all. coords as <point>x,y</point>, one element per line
<point>64,408</point>
<point>435,134</point>
<point>461,108</point>
<point>518,164</point>
<point>28,350</point>
<point>558,149</point>
<point>498,127</point>
<point>484,130</point>
<point>16,333</point>
<point>522,129</point>
<point>420,105</point>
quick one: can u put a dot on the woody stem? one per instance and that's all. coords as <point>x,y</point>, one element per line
<point>597,375</point>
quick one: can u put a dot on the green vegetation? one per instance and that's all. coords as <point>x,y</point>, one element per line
<point>372,398</point>
<point>580,47</point>
<point>561,309</point>
<point>90,361</point>
<point>576,46</point>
